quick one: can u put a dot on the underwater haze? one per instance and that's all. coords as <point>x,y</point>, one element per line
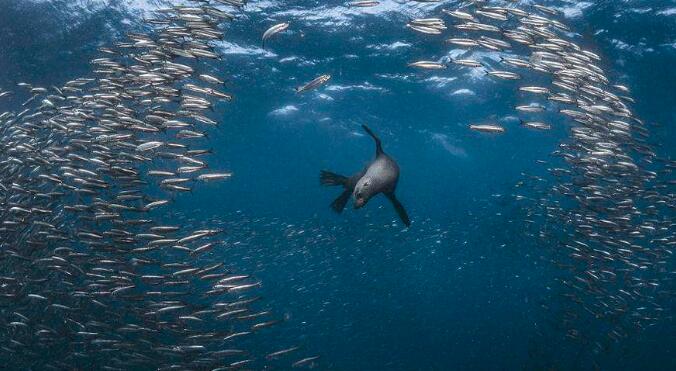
<point>529,248</point>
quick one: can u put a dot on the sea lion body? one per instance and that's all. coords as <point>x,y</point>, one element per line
<point>380,176</point>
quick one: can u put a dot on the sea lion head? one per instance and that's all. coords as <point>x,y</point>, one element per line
<point>363,191</point>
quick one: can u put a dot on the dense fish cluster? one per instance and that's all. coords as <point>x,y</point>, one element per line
<point>612,205</point>
<point>95,272</point>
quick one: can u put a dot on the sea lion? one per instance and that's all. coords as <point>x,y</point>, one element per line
<point>380,176</point>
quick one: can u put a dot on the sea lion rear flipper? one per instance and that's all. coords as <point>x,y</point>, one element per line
<point>328,178</point>
<point>339,203</point>
<point>403,215</point>
<point>379,147</point>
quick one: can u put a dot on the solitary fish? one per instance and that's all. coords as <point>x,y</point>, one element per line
<point>424,29</point>
<point>459,15</point>
<point>279,353</point>
<point>304,361</point>
<point>213,176</point>
<point>534,89</point>
<point>467,63</point>
<point>315,83</point>
<point>487,128</point>
<point>506,75</point>
<point>363,4</point>
<point>462,42</point>
<point>536,125</point>
<point>427,65</point>
<point>274,30</point>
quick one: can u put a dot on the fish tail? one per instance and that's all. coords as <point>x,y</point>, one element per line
<point>328,178</point>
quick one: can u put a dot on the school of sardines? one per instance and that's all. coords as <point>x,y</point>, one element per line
<point>93,274</point>
<point>610,210</point>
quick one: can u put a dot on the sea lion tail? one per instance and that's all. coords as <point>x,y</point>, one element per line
<point>328,178</point>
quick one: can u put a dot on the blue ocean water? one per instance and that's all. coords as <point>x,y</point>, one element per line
<point>467,285</point>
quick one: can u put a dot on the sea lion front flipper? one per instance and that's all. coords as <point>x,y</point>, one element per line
<point>403,215</point>
<point>379,147</point>
<point>339,203</point>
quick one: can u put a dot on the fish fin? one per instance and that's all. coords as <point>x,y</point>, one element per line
<point>339,203</point>
<point>403,215</point>
<point>379,147</point>
<point>328,178</point>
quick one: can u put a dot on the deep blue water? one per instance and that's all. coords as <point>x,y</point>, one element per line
<point>462,288</point>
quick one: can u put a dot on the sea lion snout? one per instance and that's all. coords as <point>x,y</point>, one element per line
<point>362,192</point>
